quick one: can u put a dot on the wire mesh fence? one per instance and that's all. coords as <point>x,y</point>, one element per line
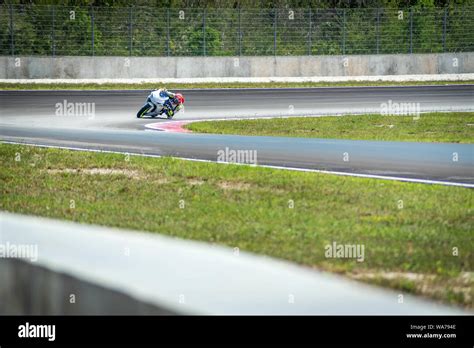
<point>53,30</point>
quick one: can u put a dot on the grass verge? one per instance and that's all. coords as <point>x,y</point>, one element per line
<point>409,231</point>
<point>430,127</point>
<point>171,86</point>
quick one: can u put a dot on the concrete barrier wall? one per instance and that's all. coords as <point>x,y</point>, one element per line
<point>204,67</point>
<point>30,289</point>
<point>111,271</point>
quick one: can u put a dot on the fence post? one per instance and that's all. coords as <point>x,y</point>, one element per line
<point>344,32</point>
<point>310,30</point>
<point>168,32</point>
<point>130,30</point>
<point>92,29</point>
<point>12,40</point>
<point>204,32</point>
<point>316,32</point>
<point>378,31</point>
<point>53,39</point>
<point>411,30</point>
<point>240,32</point>
<point>274,31</point>
<point>445,19</point>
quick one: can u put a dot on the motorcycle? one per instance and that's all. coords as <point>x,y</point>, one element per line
<point>170,108</point>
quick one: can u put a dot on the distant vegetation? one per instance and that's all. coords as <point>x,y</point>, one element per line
<point>231,28</point>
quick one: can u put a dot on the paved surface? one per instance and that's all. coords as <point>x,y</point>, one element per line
<point>30,116</point>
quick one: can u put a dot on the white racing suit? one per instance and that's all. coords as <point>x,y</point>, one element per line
<point>159,98</point>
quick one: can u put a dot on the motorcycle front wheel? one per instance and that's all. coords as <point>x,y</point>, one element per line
<point>143,110</point>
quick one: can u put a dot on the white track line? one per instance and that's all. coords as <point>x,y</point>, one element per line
<point>371,176</point>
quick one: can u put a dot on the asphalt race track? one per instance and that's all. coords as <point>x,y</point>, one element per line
<point>31,117</point>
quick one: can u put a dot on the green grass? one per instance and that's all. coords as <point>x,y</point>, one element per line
<point>405,227</point>
<point>173,86</point>
<point>431,127</point>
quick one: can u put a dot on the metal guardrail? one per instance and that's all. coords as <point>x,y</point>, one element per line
<point>110,271</point>
<point>56,30</point>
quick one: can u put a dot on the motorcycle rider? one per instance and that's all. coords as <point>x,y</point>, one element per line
<point>163,97</point>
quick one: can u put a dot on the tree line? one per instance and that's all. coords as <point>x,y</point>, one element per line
<point>231,28</point>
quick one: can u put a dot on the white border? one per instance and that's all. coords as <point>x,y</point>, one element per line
<point>314,79</point>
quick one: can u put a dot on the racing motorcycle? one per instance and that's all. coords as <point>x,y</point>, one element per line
<point>169,108</point>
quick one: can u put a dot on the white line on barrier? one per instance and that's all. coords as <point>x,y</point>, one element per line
<point>290,79</point>
<point>232,88</point>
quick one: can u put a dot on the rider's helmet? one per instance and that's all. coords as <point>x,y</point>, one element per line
<point>179,97</point>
